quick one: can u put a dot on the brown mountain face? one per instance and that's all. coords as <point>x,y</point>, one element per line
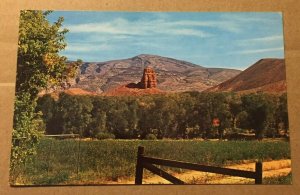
<point>266,75</point>
<point>172,75</point>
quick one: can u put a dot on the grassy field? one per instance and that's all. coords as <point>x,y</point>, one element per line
<point>100,162</point>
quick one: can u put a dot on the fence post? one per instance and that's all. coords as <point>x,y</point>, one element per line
<point>78,158</point>
<point>139,166</point>
<point>258,171</point>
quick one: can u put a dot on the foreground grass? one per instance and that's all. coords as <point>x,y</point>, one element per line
<point>279,180</point>
<point>60,162</point>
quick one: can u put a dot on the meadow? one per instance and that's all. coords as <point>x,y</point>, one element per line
<point>108,161</point>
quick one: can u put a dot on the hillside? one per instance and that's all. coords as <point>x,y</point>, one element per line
<point>267,75</point>
<point>172,75</point>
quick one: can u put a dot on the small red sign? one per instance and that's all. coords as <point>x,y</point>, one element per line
<point>216,122</point>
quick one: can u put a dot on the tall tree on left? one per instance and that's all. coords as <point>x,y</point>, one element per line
<point>39,66</point>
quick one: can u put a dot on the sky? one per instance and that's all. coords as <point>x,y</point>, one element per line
<point>210,39</point>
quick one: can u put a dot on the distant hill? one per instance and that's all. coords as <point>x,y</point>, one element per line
<point>172,75</point>
<point>266,75</point>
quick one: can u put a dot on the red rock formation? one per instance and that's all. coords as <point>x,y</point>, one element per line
<point>147,85</point>
<point>149,78</point>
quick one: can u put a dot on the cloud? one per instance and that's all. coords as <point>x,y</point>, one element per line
<point>123,27</point>
<point>255,51</point>
<point>229,26</point>
<point>86,47</point>
<point>248,17</point>
<point>267,39</point>
<point>163,25</point>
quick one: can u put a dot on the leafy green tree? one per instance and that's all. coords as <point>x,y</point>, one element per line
<point>117,119</point>
<point>235,107</point>
<point>47,105</point>
<point>145,110</point>
<point>204,112</point>
<point>75,112</point>
<point>39,65</point>
<point>99,116</point>
<point>260,112</point>
<point>132,116</point>
<point>283,110</point>
<point>118,124</point>
<point>221,111</point>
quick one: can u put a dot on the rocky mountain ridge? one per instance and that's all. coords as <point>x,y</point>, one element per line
<point>172,75</point>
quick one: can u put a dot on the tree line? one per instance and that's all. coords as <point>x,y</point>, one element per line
<point>181,115</point>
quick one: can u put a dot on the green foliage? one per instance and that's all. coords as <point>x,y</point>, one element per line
<point>39,66</point>
<point>25,133</point>
<point>182,115</point>
<point>282,111</point>
<point>103,135</point>
<point>279,180</point>
<point>39,62</point>
<point>108,160</point>
<point>260,110</point>
<point>75,112</point>
<point>150,136</point>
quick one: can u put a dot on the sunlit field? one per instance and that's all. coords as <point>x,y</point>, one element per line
<point>108,161</point>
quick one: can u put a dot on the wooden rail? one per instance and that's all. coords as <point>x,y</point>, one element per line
<point>147,163</point>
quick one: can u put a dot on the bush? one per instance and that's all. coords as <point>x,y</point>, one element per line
<point>103,135</point>
<point>150,136</point>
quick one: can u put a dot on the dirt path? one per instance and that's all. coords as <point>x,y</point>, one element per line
<point>270,169</point>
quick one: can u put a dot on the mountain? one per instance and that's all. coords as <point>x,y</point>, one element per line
<point>267,75</point>
<point>172,75</point>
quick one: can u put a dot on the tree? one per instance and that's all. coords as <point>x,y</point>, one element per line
<point>47,105</point>
<point>75,112</point>
<point>235,107</point>
<point>39,65</point>
<point>282,112</point>
<point>145,110</point>
<point>132,117</point>
<point>163,116</point>
<point>221,111</point>
<point>260,112</point>
<point>204,112</point>
<point>99,116</point>
<point>118,124</point>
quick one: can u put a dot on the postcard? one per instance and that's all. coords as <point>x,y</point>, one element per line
<point>134,98</point>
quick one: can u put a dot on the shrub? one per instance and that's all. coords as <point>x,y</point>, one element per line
<point>103,135</point>
<point>150,136</point>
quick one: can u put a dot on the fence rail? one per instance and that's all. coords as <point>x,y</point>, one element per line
<point>147,163</point>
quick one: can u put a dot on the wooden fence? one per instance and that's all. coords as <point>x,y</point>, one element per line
<point>147,163</point>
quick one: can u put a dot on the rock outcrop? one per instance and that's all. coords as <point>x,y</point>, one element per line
<point>147,85</point>
<point>149,79</point>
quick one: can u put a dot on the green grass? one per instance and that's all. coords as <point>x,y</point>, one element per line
<point>58,161</point>
<point>279,180</point>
